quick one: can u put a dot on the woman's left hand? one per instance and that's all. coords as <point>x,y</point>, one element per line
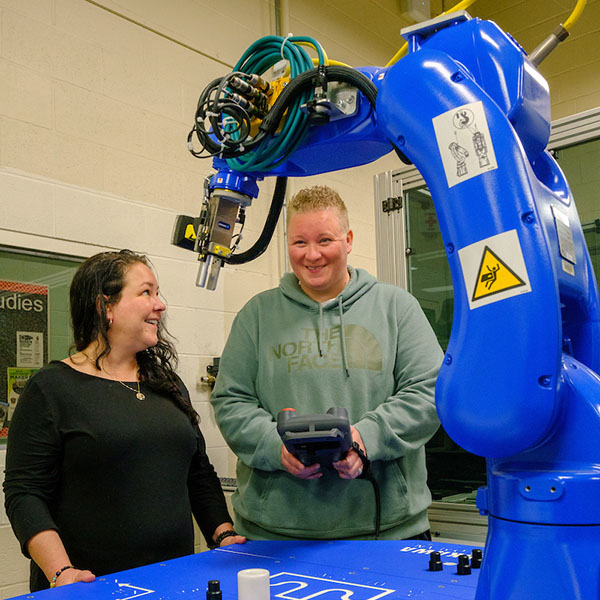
<point>232,539</point>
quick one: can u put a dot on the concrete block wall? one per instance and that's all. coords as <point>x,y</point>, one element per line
<point>95,106</point>
<point>96,99</point>
<point>573,69</point>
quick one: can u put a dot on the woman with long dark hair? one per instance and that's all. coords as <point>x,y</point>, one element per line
<point>105,461</point>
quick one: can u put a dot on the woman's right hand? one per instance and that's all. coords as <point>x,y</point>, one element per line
<point>73,576</point>
<point>47,550</point>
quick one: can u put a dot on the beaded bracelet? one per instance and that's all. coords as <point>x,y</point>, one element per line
<point>58,573</point>
<point>224,534</point>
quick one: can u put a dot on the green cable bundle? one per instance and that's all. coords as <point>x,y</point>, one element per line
<point>258,58</point>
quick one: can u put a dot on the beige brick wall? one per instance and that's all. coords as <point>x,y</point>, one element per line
<point>573,69</point>
<point>96,99</point>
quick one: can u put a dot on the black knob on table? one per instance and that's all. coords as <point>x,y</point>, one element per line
<point>214,590</point>
<point>476,557</point>
<point>464,568</point>
<point>435,562</point>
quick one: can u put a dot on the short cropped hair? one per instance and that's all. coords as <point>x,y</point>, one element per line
<point>318,197</point>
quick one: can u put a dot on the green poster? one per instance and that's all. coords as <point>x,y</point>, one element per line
<point>16,379</point>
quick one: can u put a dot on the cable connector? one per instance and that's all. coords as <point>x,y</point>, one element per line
<point>543,50</point>
<point>320,83</point>
<point>319,111</point>
<point>366,463</point>
<point>260,83</point>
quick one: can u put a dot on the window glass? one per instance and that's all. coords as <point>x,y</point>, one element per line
<point>454,475</point>
<point>581,166</point>
<point>34,319</point>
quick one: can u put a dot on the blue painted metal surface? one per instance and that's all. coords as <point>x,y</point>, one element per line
<point>236,182</point>
<point>497,352</point>
<point>363,570</point>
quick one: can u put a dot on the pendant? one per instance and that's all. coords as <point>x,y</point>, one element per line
<point>140,396</point>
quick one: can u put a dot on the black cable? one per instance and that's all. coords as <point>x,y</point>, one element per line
<point>306,81</point>
<point>263,240</point>
<point>367,473</point>
<point>233,148</point>
<point>310,78</point>
<point>375,485</point>
<point>213,104</point>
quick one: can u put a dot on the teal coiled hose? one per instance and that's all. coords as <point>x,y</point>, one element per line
<point>258,58</point>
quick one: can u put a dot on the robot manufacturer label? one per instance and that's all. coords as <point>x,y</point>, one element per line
<point>494,269</point>
<point>566,245</point>
<point>464,141</point>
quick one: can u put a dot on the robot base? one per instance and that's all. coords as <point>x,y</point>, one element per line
<point>524,561</point>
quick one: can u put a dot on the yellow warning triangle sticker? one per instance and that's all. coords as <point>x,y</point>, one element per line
<point>190,233</point>
<point>494,276</point>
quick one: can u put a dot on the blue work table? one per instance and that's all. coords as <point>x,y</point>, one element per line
<point>335,570</point>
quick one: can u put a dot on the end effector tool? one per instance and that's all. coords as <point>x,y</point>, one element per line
<point>212,235</point>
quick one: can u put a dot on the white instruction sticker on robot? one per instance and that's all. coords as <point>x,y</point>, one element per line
<point>494,269</point>
<point>464,141</point>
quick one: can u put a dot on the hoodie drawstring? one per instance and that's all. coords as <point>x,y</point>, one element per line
<point>319,337</point>
<point>342,336</point>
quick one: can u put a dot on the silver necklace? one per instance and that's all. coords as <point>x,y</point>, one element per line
<point>138,393</point>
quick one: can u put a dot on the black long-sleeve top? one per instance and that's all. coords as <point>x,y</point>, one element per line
<point>117,477</point>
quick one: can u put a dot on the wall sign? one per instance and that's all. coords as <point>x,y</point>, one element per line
<point>23,341</point>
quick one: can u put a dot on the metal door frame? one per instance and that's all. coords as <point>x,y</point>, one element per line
<point>390,208</point>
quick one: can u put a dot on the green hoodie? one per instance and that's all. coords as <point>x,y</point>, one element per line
<point>370,350</point>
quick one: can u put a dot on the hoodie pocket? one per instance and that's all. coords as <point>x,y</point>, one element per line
<point>393,490</point>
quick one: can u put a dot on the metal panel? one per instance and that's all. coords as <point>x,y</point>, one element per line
<point>457,521</point>
<point>390,231</point>
<point>575,129</point>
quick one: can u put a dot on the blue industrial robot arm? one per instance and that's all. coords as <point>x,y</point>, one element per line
<point>467,107</point>
<point>519,384</point>
<point>523,284</point>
